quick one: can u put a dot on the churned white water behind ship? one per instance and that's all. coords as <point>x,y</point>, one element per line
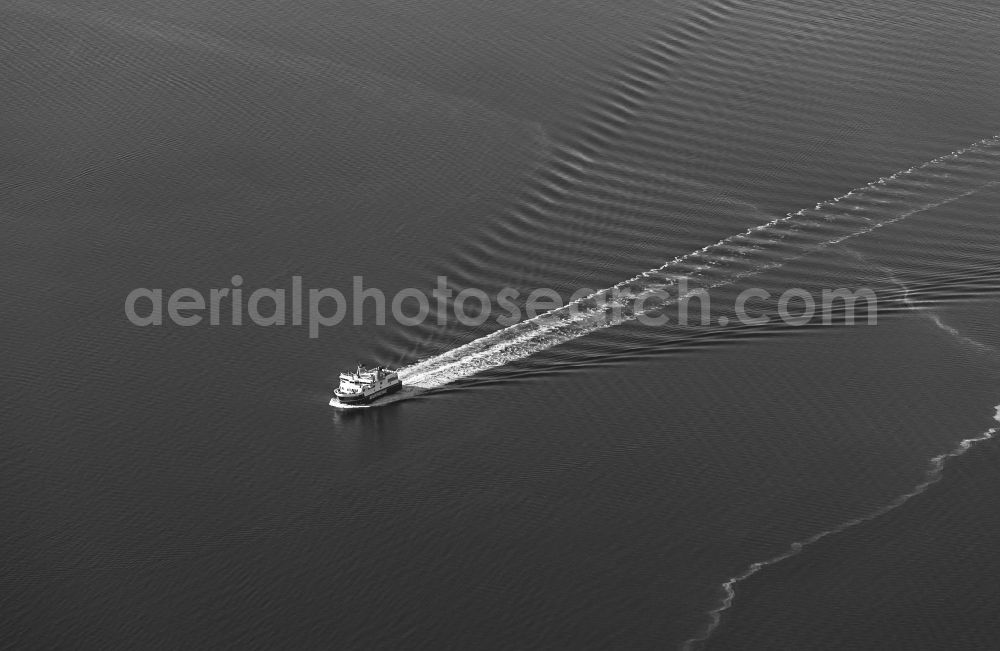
<point>733,259</point>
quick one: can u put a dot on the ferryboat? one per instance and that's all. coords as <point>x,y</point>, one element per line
<point>365,385</point>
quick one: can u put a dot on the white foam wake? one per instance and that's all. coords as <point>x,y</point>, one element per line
<point>958,335</point>
<point>862,210</point>
<point>930,314</point>
<point>935,470</point>
<point>934,473</point>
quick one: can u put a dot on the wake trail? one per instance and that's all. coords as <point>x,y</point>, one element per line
<point>958,335</point>
<point>935,470</point>
<point>928,313</point>
<point>391,92</point>
<point>938,322</point>
<point>758,249</point>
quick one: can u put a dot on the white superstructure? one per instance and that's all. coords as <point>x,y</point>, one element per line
<point>365,385</point>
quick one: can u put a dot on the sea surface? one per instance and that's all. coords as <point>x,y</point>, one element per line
<point>578,483</point>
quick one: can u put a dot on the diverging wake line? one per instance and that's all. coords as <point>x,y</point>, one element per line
<point>933,474</point>
<point>768,246</point>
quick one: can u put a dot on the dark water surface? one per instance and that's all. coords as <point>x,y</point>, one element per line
<point>572,488</point>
